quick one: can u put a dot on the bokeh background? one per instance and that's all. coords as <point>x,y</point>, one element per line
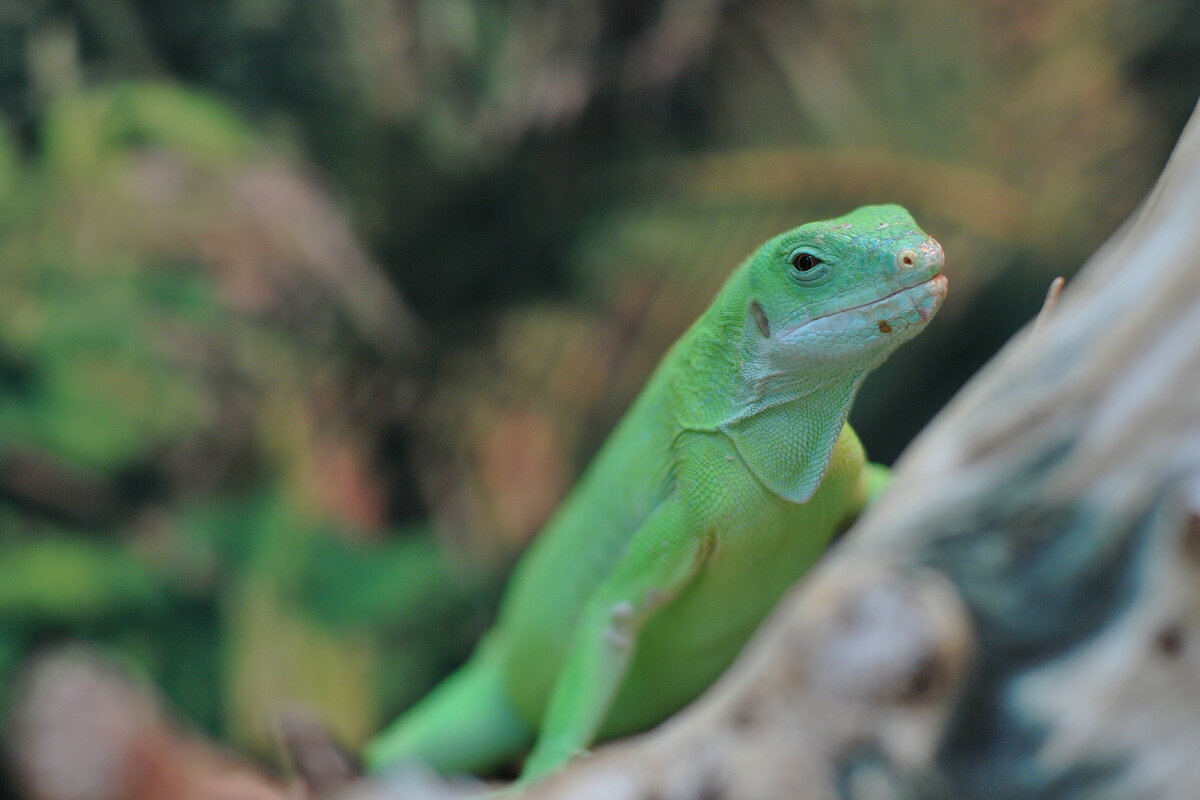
<point>312,310</point>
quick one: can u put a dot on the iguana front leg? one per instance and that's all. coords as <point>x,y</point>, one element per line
<point>873,480</point>
<point>662,557</point>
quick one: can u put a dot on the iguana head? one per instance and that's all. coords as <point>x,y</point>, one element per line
<point>818,308</point>
<point>844,292</point>
<point>776,361</point>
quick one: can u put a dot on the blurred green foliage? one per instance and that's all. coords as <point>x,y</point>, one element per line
<point>310,311</point>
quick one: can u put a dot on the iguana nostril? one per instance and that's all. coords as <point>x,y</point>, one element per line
<point>928,254</point>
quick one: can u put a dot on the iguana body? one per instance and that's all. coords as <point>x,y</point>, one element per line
<point>721,485</point>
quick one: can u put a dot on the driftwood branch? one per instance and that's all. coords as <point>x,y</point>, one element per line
<point>1019,616</point>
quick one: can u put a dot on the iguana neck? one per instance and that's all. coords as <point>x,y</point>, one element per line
<point>782,408</point>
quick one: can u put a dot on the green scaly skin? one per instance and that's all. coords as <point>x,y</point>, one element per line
<point>721,486</point>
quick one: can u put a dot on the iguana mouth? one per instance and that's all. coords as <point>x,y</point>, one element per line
<point>938,287</point>
<point>938,279</point>
<point>923,298</point>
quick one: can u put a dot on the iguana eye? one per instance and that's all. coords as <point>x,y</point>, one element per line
<point>803,262</point>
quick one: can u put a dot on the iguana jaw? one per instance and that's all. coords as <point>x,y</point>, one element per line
<point>900,310</point>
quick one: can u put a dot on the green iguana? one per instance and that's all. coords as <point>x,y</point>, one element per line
<point>721,485</point>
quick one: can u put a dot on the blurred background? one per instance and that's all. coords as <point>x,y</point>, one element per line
<point>312,310</point>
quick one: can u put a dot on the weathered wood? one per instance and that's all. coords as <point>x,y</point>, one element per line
<point>1019,616</point>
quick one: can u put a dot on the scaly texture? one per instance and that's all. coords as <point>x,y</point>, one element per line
<point>721,485</point>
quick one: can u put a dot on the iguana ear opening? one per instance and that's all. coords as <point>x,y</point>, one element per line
<point>788,446</point>
<point>760,319</point>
